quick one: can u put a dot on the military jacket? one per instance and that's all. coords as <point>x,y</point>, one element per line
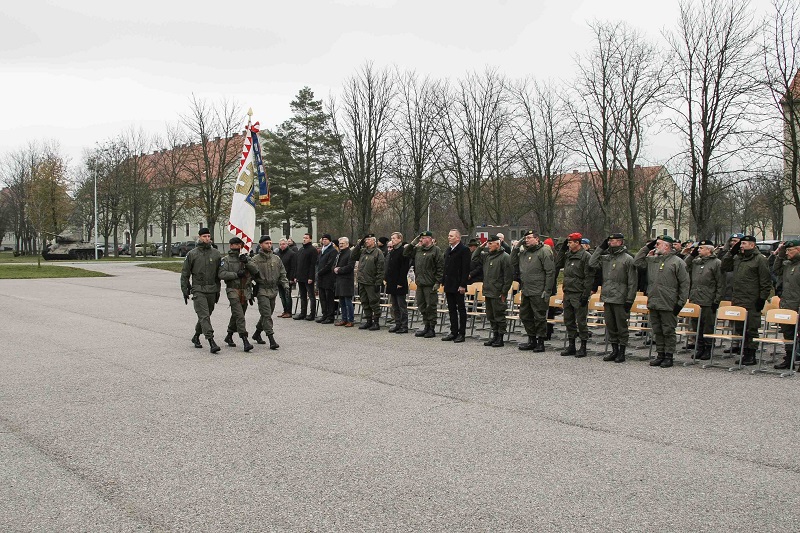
<point>789,271</point>
<point>498,274</point>
<point>578,273</point>
<point>536,269</point>
<point>751,279</point>
<point>271,273</point>
<point>428,264</point>
<point>202,266</point>
<point>667,279</point>
<point>620,277</point>
<point>707,280</point>
<point>371,263</point>
<point>229,267</point>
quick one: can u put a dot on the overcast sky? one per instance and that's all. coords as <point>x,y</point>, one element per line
<point>80,72</point>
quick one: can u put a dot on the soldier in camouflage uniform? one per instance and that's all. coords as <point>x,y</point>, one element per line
<point>428,271</point>
<point>706,289</point>
<point>370,280</point>
<point>787,268</point>
<point>498,275</point>
<point>578,281</point>
<point>236,271</point>
<point>199,279</point>
<point>271,273</point>
<point>536,273</point>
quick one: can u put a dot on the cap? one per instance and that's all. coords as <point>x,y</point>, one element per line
<point>666,238</point>
<point>530,232</point>
<point>737,236</point>
<point>369,236</point>
<point>749,238</point>
<point>204,231</point>
<point>327,236</point>
<point>383,240</point>
<point>493,238</point>
<point>705,242</point>
<point>235,240</point>
<point>574,236</point>
<point>791,244</point>
<point>585,241</point>
<point>264,238</point>
<point>473,242</point>
<point>426,234</point>
<point>616,236</point>
<point>549,242</point>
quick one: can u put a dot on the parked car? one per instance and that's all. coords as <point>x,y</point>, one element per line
<point>125,249</point>
<point>767,247</point>
<point>176,248</point>
<point>185,247</point>
<point>145,249</point>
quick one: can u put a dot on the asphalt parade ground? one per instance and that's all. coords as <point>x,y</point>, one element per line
<point>111,421</point>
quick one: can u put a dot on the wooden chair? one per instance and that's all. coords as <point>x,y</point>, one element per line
<point>512,316</point>
<point>726,315</point>
<point>557,300</point>
<point>639,321</point>
<point>689,313</point>
<point>478,311</point>
<point>775,318</point>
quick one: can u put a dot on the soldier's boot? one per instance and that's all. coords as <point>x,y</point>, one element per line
<point>394,328</point>
<point>196,341</point>
<point>366,325</point>
<point>658,360</point>
<point>614,352</point>
<point>246,343</point>
<point>749,358</point>
<point>491,339</point>
<point>582,350</point>
<point>667,362</point>
<point>620,355</point>
<point>229,339</point>
<point>272,344</point>
<point>213,346</point>
<point>539,345</point>
<point>431,333</point>
<point>375,326</point>
<point>421,332</point>
<point>257,336</point>
<point>530,345</point>
<point>549,332</point>
<point>787,359</point>
<point>498,341</point>
<point>402,329</point>
<point>734,348</point>
<point>704,352</point>
<point>570,350</point>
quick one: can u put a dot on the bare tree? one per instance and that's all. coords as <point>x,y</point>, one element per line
<point>170,182</point>
<point>714,94</point>
<point>215,149</point>
<point>543,131</point>
<point>362,126</point>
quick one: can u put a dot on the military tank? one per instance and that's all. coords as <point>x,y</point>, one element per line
<point>69,247</point>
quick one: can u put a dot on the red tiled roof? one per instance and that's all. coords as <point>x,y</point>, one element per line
<point>574,180</point>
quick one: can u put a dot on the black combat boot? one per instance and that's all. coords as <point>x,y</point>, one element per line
<point>394,328</point>
<point>620,355</point>
<point>257,336</point>
<point>749,358</point>
<point>272,344</point>
<point>498,341</point>
<point>582,350</point>
<point>229,339</point>
<point>787,360</point>
<point>366,325</point>
<point>667,362</point>
<point>570,349</point>
<point>704,352</point>
<point>213,346</point>
<point>539,345</point>
<point>491,339</point>
<point>459,338</point>
<point>196,341</point>
<point>658,360</point>
<point>246,343</point>
<point>614,352</point>
<point>375,326</point>
<point>431,333</point>
<point>402,329</point>
<point>450,336</point>
<point>421,332</point>
<point>530,345</point>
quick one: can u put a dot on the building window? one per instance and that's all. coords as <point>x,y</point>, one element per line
<point>666,231</point>
<point>151,230</point>
<point>174,230</point>
<point>187,229</point>
<point>653,233</point>
<point>666,213</point>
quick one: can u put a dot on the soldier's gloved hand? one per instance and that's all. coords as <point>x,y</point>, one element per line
<point>565,245</point>
<point>186,296</point>
<point>244,258</point>
<point>251,300</point>
<point>715,306</point>
<point>735,248</point>
<point>677,310</point>
<point>695,251</point>
<point>546,296</point>
<point>604,244</point>
<point>242,273</point>
<point>584,301</point>
<point>651,244</point>
<point>760,304</point>
<point>628,306</point>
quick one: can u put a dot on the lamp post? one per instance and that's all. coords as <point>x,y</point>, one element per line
<point>96,251</point>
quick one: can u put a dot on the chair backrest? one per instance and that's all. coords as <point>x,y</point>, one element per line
<point>557,300</point>
<point>515,285</point>
<point>471,290</point>
<point>639,306</point>
<point>725,303</point>
<point>412,286</point>
<point>772,303</point>
<point>782,316</point>
<point>690,310</point>
<point>732,312</point>
<point>518,298</point>
<point>596,306</point>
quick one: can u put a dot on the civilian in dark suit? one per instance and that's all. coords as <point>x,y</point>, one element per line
<point>326,281</point>
<point>287,255</point>
<point>454,281</point>
<point>306,264</point>
<point>396,277</point>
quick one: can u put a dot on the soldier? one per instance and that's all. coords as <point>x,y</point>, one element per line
<point>343,268</point>
<point>498,275</point>
<point>707,283</point>
<point>202,265</point>
<point>536,273</point>
<point>787,268</point>
<point>237,271</point>
<point>306,265</point>
<point>667,291</point>
<point>396,278</point>
<point>271,273</point>
<point>751,288</point>
<point>475,266</point>
<point>620,279</point>
<point>371,265</point>
<point>288,255</point>
<point>578,280</point>
<point>428,269</point>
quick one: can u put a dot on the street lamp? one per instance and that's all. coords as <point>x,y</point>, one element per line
<point>96,251</point>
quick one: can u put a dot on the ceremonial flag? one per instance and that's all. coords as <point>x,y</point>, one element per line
<point>242,220</point>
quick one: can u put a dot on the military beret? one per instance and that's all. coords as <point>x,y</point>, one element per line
<point>748,238</point>
<point>549,242</point>
<point>369,236</point>
<point>493,238</point>
<point>574,236</point>
<point>705,242</point>
<point>585,241</point>
<point>737,236</point>
<point>473,242</point>
<point>616,236</point>
<point>383,240</point>
<point>264,238</point>
<point>666,238</point>
<point>426,234</point>
<point>235,240</point>
<point>531,232</point>
<point>327,236</point>
<point>791,244</point>
<point>204,231</point>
